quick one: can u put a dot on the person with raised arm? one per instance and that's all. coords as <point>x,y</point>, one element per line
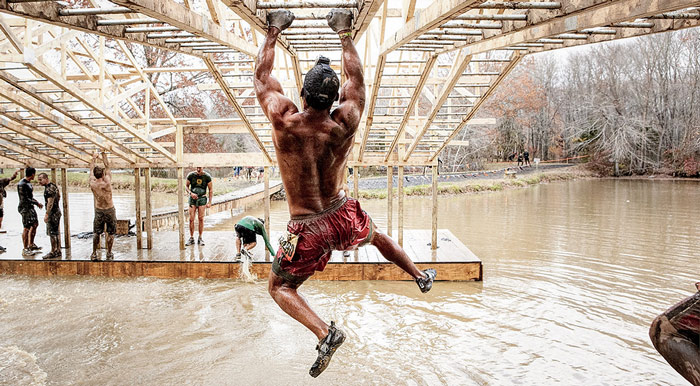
<point>312,147</point>
<point>105,214</point>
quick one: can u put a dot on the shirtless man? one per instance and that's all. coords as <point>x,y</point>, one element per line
<point>312,148</point>
<point>101,185</point>
<point>676,336</point>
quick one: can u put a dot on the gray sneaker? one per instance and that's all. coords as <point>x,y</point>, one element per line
<point>200,241</point>
<point>27,252</point>
<point>426,283</point>
<point>326,348</point>
<point>190,242</point>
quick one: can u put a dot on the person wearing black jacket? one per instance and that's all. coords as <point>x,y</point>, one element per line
<point>26,210</point>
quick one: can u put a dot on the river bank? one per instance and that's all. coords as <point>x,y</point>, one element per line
<point>492,184</point>
<point>125,182</point>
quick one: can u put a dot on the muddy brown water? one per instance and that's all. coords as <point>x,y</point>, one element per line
<point>574,273</point>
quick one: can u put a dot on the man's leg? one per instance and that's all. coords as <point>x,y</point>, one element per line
<point>32,234</point>
<point>288,299</point>
<point>682,354</point>
<point>192,211</point>
<point>110,243</point>
<point>25,238</point>
<point>238,245</point>
<point>200,218</point>
<point>394,253</point>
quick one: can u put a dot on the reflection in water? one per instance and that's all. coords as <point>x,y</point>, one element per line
<point>574,274</point>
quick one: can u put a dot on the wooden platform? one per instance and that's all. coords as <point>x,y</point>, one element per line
<point>452,260</point>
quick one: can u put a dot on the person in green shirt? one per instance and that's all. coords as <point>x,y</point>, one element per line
<point>247,230</point>
<point>197,185</point>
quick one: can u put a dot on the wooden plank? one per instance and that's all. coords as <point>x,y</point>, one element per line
<point>400,193</point>
<point>137,206</point>
<point>149,209</point>
<point>66,213</point>
<point>434,238</point>
<point>389,199</point>
<point>436,14</point>
<point>181,208</point>
<point>266,201</point>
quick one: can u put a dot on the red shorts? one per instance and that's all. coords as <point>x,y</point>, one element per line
<point>343,226</point>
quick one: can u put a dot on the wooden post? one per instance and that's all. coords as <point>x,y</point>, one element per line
<point>180,208</point>
<point>267,207</point>
<point>66,215</point>
<point>433,242</point>
<point>21,173</point>
<point>137,198</point>
<point>149,217</point>
<point>356,182</point>
<point>400,205</point>
<point>389,198</point>
<point>53,175</point>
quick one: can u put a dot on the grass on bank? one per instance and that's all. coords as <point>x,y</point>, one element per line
<point>477,186</point>
<point>123,181</point>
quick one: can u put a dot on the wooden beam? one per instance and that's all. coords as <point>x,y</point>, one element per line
<point>433,238</point>
<point>460,64</point>
<point>181,208</point>
<point>368,10</point>
<point>66,213</point>
<point>374,91</point>
<point>137,208</point>
<point>149,211</point>
<point>218,76</point>
<point>435,15</point>
<point>514,61</point>
<point>425,70</point>
<point>266,202</point>
<point>400,193</point>
<point>408,9</point>
<point>389,199</point>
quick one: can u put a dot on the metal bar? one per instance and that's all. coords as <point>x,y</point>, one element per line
<point>633,25</point>
<point>491,17</point>
<point>307,4</point>
<point>515,5</point>
<point>457,24</point>
<point>94,11</point>
<point>128,21</point>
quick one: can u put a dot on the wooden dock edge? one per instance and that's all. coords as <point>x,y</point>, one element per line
<point>453,271</point>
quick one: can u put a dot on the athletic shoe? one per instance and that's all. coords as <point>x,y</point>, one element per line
<point>200,241</point>
<point>27,252</point>
<point>50,255</point>
<point>326,348</point>
<point>426,283</point>
<point>246,254</point>
<point>190,242</point>
<point>34,247</point>
<point>2,249</point>
<point>94,257</point>
<point>110,256</point>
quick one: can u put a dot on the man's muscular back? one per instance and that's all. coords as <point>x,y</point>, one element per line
<point>312,149</point>
<point>102,191</point>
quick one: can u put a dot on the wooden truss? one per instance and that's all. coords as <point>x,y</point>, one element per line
<point>72,80</point>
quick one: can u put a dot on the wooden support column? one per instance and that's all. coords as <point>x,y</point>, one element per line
<point>149,217</point>
<point>400,186</point>
<point>267,207</point>
<point>66,215</point>
<point>137,205</point>
<point>433,242</point>
<point>389,199</point>
<point>356,182</point>
<point>181,208</point>
<point>53,175</point>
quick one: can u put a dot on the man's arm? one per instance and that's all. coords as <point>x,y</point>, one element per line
<point>107,172</point>
<point>268,90</point>
<point>187,189</point>
<point>211,193</point>
<point>352,93</point>
<point>92,166</point>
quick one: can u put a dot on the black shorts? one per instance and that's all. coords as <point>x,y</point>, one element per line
<point>54,224</point>
<point>104,217</point>
<point>246,235</point>
<point>29,218</point>
<point>2,212</point>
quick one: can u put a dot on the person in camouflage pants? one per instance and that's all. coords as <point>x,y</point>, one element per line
<point>52,218</point>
